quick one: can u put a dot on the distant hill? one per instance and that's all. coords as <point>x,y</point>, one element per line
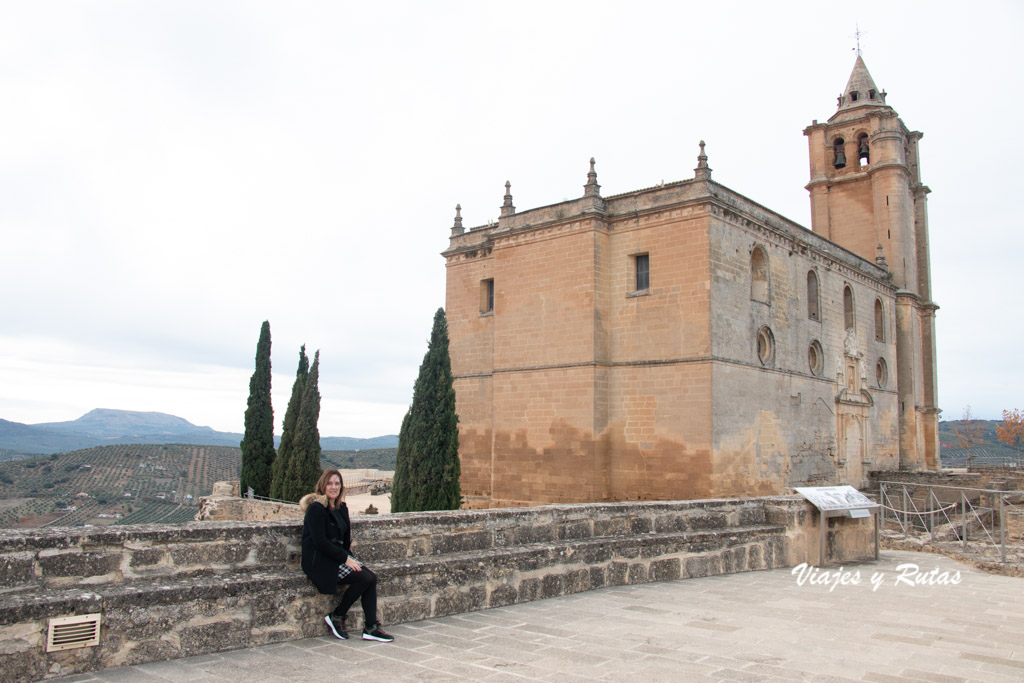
<point>104,426</point>
<point>107,423</point>
<point>990,451</point>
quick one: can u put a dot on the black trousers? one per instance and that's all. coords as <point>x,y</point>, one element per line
<point>361,584</point>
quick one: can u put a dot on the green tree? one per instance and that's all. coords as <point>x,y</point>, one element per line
<point>401,483</point>
<point>427,463</point>
<point>304,465</point>
<point>291,416</point>
<point>258,442</point>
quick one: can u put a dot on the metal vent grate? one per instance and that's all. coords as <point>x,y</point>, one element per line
<point>69,632</point>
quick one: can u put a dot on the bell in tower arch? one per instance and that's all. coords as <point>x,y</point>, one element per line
<point>864,150</point>
<point>840,153</point>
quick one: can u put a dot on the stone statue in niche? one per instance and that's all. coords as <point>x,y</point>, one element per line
<point>850,345</point>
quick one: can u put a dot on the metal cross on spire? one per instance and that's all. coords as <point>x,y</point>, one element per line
<point>856,35</point>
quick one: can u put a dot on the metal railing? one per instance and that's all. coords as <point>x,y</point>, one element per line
<point>950,511</point>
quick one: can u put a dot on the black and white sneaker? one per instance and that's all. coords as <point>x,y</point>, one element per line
<point>377,633</point>
<point>337,626</point>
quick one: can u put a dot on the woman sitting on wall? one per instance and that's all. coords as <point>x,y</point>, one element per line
<point>328,561</point>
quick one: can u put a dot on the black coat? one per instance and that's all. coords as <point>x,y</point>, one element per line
<point>326,540</point>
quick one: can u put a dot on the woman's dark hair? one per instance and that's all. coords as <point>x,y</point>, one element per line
<point>321,484</point>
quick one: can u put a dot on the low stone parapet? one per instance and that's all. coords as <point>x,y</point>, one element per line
<point>983,477</point>
<point>225,508</point>
<point>174,591</point>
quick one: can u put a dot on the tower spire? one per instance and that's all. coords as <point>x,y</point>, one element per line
<point>860,89</point>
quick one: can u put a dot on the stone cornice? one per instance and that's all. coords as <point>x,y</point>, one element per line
<point>809,244</point>
<point>862,399</point>
<point>469,251</point>
<point>845,177</point>
<point>707,359</point>
<point>858,113</point>
<point>906,297</point>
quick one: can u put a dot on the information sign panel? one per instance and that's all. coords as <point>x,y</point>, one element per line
<point>835,497</point>
<point>839,501</point>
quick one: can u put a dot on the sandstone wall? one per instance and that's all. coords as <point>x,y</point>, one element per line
<point>578,386</point>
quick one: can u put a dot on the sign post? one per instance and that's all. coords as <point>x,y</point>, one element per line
<point>839,501</point>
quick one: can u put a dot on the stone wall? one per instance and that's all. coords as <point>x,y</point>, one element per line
<point>934,478</point>
<point>174,591</point>
<point>779,422</point>
<point>997,478</point>
<point>976,485</point>
<point>1001,478</point>
<point>224,508</point>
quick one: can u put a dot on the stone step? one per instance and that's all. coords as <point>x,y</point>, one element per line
<point>515,574</point>
<point>53,559</point>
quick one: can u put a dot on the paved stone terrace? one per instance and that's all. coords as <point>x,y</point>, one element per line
<point>758,626</point>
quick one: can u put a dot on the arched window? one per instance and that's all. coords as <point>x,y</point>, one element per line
<point>863,150</point>
<point>879,321</point>
<point>813,309</point>
<point>848,320</point>
<point>759,275</point>
<point>839,152</point>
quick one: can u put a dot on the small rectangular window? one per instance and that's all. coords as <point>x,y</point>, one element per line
<point>643,272</point>
<point>487,296</point>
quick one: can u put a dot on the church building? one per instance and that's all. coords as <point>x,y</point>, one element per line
<point>682,341</point>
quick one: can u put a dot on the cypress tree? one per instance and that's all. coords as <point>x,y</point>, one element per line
<point>291,416</point>
<point>258,441</point>
<point>304,465</point>
<point>427,466</point>
<point>400,493</point>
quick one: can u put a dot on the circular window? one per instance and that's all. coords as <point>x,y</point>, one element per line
<point>765,346</point>
<point>816,358</point>
<point>881,373</point>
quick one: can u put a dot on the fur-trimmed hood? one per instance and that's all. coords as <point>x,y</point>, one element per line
<point>311,498</point>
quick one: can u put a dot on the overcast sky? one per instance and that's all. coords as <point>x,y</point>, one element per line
<point>174,173</point>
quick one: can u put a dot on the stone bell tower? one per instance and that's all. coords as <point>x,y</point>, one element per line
<point>867,196</point>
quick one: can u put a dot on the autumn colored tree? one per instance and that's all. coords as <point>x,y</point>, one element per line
<point>969,433</point>
<point>1012,430</point>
